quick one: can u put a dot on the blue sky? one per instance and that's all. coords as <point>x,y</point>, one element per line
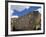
<point>23,10</point>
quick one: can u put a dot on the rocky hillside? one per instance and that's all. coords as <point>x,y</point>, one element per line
<point>31,21</point>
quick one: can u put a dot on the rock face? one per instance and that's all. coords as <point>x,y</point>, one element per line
<point>30,21</point>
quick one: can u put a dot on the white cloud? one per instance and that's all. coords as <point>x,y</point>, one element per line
<point>18,7</point>
<point>15,17</point>
<point>27,7</point>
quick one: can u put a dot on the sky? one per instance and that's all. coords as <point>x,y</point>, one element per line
<point>20,8</point>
